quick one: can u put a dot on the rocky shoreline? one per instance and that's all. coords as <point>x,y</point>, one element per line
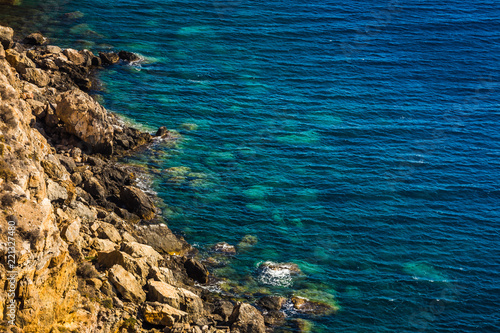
<point>91,251</point>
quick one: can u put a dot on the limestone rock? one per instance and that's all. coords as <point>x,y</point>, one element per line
<point>74,56</point>
<point>108,231</point>
<point>138,202</point>
<point>164,293</point>
<point>128,56</point>
<point>19,61</point>
<point>55,191</point>
<point>162,314</point>
<point>161,238</point>
<point>6,35</point>
<point>247,319</point>
<point>196,271</point>
<point>136,266</point>
<point>223,308</point>
<point>137,250</point>
<point>36,76</point>
<point>225,248</point>
<point>103,245</point>
<point>126,284</point>
<point>110,58</point>
<point>94,188</point>
<point>35,38</point>
<point>271,303</point>
<point>86,119</point>
<point>72,231</point>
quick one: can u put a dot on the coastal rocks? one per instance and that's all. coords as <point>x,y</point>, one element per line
<point>163,293</point>
<point>110,58</point>
<point>36,76</point>
<point>224,248</point>
<point>161,238</point>
<point>126,284</point>
<point>6,35</point>
<point>196,270</point>
<point>162,314</point>
<point>35,39</point>
<point>74,56</point>
<point>19,61</point>
<point>86,119</point>
<point>128,56</point>
<point>278,274</point>
<point>247,319</point>
<point>138,202</point>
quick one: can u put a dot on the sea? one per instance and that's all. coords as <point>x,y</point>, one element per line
<point>359,140</point>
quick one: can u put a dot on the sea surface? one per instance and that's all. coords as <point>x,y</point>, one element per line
<point>358,139</point>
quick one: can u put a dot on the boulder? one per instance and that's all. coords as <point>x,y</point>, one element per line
<point>271,303</point>
<point>67,162</point>
<point>74,56</point>
<point>137,267</point>
<point>126,284</point>
<point>6,35</point>
<point>304,305</point>
<point>36,76</point>
<point>223,308</point>
<point>94,188</point>
<point>161,238</point>
<point>196,271</point>
<point>191,303</point>
<point>35,38</point>
<point>128,56</point>
<point>71,232</point>
<point>2,52</point>
<point>103,245</point>
<point>86,119</point>
<point>19,61</point>
<point>109,58</point>
<point>164,293</point>
<point>247,319</point>
<point>138,202</point>
<point>55,191</point>
<point>162,274</point>
<point>162,314</point>
<point>108,231</point>
<point>225,248</point>
<point>138,250</point>
<point>53,49</point>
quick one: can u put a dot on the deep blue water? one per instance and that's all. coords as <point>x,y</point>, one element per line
<point>360,140</point>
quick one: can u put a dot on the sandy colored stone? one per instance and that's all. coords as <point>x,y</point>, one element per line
<point>126,284</point>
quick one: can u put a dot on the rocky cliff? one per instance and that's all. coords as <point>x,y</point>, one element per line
<point>82,248</point>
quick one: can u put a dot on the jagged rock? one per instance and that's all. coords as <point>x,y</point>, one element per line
<point>247,319</point>
<point>74,56</point>
<point>55,191</point>
<point>137,250</point>
<point>108,231</point>
<point>53,49</point>
<point>126,284</point>
<point>225,248</point>
<point>2,52</point>
<point>138,202</point>
<point>196,271</point>
<point>35,38</point>
<point>223,308</point>
<point>71,232</point>
<point>86,119</point>
<point>136,266</point>
<point>161,238</point>
<point>95,189</point>
<point>162,314</point>
<point>19,61</point>
<point>67,162</point>
<point>36,76</point>
<point>162,131</point>
<point>191,303</point>
<point>274,318</point>
<point>162,274</point>
<point>163,293</point>
<point>109,58</point>
<point>128,56</point>
<point>271,303</point>
<point>103,245</point>
<point>6,35</point>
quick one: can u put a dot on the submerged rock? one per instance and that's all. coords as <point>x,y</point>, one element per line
<point>225,248</point>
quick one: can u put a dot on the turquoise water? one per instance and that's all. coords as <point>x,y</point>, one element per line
<point>359,140</point>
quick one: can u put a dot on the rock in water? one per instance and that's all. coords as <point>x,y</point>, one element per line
<point>35,39</point>
<point>247,319</point>
<point>86,119</point>
<point>128,56</point>
<point>110,58</point>
<point>196,271</point>
<point>138,202</point>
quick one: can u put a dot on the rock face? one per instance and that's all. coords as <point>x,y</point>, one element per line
<point>126,284</point>
<point>86,119</point>
<point>247,319</point>
<point>138,202</point>
<point>84,262</point>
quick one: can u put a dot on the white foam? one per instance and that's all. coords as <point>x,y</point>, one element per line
<point>275,274</point>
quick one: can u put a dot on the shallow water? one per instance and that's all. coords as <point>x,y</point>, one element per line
<point>359,140</point>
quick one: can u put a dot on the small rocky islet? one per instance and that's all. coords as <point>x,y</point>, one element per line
<point>93,252</point>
